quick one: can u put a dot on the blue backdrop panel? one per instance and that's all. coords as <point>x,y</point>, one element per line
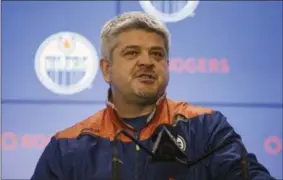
<point>240,36</point>
<point>242,41</point>
<point>25,25</point>
<point>26,129</point>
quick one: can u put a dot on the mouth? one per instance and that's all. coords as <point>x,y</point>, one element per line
<point>147,76</point>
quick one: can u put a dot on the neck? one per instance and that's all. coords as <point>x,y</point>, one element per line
<point>128,109</point>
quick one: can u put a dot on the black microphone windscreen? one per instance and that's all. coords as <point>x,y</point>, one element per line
<point>161,128</point>
<point>165,146</point>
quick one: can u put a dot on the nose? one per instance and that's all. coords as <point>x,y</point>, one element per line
<point>145,60</point>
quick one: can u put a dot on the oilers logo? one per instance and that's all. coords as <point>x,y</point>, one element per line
<point>66,63</point>
<point>66,44</point>
<point>181,143</point>
<point>170,11</point>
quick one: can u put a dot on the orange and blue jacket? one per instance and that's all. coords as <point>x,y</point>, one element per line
<point>85,150</point>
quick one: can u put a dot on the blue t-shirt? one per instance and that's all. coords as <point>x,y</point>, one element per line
<point>137,123</point>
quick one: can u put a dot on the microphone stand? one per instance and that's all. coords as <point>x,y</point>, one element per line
<point>187,163</point>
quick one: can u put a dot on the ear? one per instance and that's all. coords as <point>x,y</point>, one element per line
<point>105,66</point>
<point>167,62</point>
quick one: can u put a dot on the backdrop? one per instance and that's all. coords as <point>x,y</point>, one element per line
<point>224,55</point>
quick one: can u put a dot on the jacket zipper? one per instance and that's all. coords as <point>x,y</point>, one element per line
<point>136,174</point>
<point>137,136</point>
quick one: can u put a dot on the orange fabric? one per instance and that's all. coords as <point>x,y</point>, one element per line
<point>105,123</point>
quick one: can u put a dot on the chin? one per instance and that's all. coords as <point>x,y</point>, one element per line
<point>147,95</point>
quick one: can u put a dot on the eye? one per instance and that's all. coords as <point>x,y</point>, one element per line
<point>130,53</point>
<point>158,55</point>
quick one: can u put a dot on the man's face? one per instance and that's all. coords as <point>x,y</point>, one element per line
<point>140,65</point>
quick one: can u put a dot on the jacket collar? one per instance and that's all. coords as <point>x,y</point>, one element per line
<point>119,122</point>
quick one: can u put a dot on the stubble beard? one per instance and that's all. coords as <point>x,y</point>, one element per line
<point>146,96</point>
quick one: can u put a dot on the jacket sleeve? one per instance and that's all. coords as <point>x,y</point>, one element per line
<point>225,164</point>
<point>48,166</point>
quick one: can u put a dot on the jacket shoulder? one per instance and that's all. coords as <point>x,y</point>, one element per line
<point>181,108</point>
<point>76,129</point>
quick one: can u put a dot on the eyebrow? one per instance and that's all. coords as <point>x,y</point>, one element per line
<point>136,47</point>
<point>130,47</point>
<point>157,48</point>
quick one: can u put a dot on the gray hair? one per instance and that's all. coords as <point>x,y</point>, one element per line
<point>126,21</point>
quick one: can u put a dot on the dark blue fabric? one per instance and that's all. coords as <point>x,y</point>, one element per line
<point>137,123</point>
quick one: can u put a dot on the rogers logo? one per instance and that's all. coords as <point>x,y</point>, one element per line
<point>199,65</point>
<point>12,141</point>
<point>273,145</point>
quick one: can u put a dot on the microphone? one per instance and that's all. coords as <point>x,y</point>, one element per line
<point>166,149</point>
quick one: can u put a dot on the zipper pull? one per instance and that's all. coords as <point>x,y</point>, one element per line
<point>137,147</point>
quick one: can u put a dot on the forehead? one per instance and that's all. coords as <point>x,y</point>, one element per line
<point>140,38</point>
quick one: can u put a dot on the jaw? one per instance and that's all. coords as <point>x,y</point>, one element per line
<point>145,90</point>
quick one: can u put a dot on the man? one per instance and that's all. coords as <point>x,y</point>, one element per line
<point>135,51</point>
